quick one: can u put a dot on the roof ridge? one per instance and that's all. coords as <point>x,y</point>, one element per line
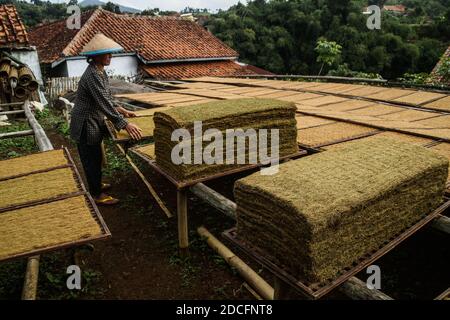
<point>66,50</point>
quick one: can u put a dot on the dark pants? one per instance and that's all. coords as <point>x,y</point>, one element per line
<point>91,158</point>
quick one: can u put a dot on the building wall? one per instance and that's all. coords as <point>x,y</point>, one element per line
<point>120,66</point>
<point>29,57</point>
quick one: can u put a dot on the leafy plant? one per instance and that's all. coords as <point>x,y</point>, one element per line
<point>328,52</point>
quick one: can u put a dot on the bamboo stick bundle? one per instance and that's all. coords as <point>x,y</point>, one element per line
<point>4,69</point>
<point>21,93</point>
<point>13,74</point>
<point>25,76</point>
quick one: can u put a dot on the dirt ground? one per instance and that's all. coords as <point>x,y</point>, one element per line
<point>141,260</point>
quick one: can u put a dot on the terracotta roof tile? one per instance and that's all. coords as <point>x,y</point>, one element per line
<point>175,71</point>
<point>52,38</point>
<point>153,38</point>
<point>12,30</point>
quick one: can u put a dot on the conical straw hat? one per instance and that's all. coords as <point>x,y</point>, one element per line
<point>101,44</point>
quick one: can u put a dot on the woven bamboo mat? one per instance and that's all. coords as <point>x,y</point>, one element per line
<point>441,104</point>
<point>45,211</point>
<point>409,115</point>
<point>326,134</point>
<point>438,122</point>
<point>304,122</point>
<point>420,97</point>
<point>33,163</point>
<point>145,123</point>
<point>28,230</point>
<point>299,97</point>
<point>406,138</point>
<point>365,91</point>
<point>37,187</point>
<point>376,110</point>
<point>325,100</point>
<point>150,112</point>
<point>391,94</point>
<point>348,105</point>
<point>190,103</point>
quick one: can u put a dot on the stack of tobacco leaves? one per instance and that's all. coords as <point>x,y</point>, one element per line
<point>244,114</point>
<point>320,214</point>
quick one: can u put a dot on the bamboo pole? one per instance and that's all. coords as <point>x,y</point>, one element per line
<point>254,279</point>
<point>183,235</point>
<point>357,290</point>
<point>17,134</point>
<point>7,113</point>
<point>441,223</point>
<point>29,291</point>
<point>147,184</point>
<point>42,140</point>
<point>215,199</point>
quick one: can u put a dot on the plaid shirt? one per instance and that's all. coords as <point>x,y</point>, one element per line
<point>93,102</point>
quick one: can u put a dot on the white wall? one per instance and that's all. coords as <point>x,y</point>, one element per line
<point>30,57</point>
<point>120,66</point>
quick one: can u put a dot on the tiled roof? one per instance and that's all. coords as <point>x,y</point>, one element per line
<point>397,8</point>
<point>52,38</point>
<point>175,71</point>
<point>153,38</point>
<point>12,30</point>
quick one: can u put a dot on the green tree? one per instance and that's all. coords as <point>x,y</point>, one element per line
<point>328,52</point>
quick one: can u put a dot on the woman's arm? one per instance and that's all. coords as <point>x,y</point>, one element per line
<point>104,101</point>
<point>126,113</point>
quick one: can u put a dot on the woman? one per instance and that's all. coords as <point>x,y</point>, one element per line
<point>93,103</point>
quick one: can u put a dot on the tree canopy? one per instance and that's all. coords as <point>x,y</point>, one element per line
<point>281,36</point>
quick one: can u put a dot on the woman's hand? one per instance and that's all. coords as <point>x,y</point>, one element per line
<point>130,114</point>
<point>125,112</point>
<point>134,131</point>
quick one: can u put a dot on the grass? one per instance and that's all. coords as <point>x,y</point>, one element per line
<point>117,163</point>
<point>50,120</point>
<point>16,147</point>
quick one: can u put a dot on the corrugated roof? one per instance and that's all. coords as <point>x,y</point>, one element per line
<point>12,30</point>
<point>152,38</point>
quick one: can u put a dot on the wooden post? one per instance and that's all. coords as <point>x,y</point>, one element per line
<point>183,236</point>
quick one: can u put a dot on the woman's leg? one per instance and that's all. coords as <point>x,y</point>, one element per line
<point>91,158</point>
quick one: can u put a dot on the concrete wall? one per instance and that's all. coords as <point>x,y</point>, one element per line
<point>120,66</point>
<point>30,57</point>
